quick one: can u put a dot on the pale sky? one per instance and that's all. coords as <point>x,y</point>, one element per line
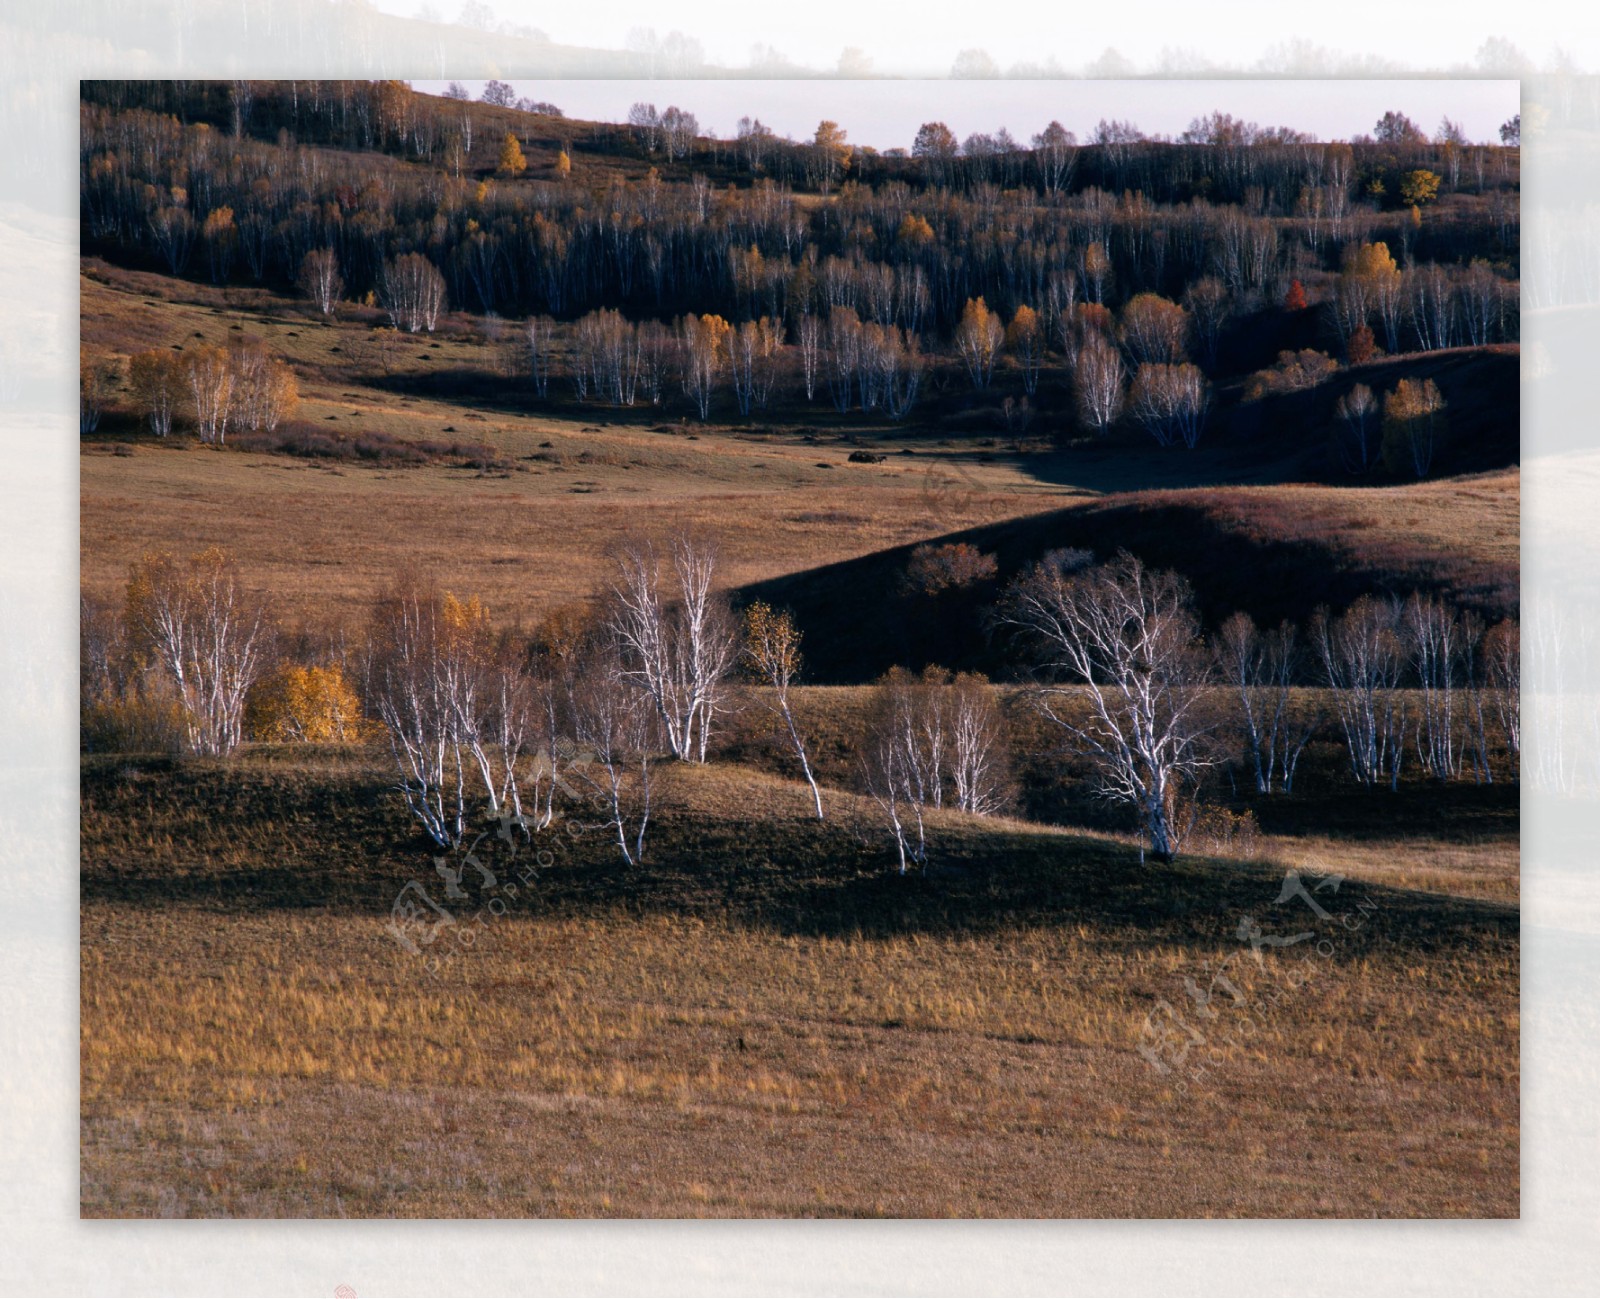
<point>886,114</point>
<point>924,39</point>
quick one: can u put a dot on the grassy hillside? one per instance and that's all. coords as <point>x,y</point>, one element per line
<point>1275,552</point>
<point>763,1016</point>
<point>759,1020</point>
<point>470,477</point>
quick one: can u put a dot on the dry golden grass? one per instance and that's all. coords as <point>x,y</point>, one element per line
<point>526,541</point>
<point>303,1066</point>
<point>1490,868</point>
<point>675,1054</point>
<point>761,1020</point>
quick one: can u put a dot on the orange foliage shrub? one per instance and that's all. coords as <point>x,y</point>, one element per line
<point>315,705</point>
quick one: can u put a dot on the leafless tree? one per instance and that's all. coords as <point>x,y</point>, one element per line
<point>1261,669</point>
<point>1431,306</point>
<point>412,292</point>
<point>498,93</point>
<point>903,757</point>
<point>844,356</point>
<point>1061,300</point>
<point>1481,297</point>
<point>173,230</point>
<point>646,124</point>
<point>208,636</point>
<point>676,639</point>
<point>656,349</point>
<point>1501,655</point>
<point>772,651</point>
<point>1097,384</point>
<point>1170,401</point>
<point>541,352</point>
<point>1055,150</point>
<point>979,775</point>
<point>678,130</point>
<point>319,279</point>
<point>410,683</point>
<point>610,344</point>
<point>1356,433</point>
<point>263,392</point>
<point>1127,641</point>
<point>1363,660</point>
<point>753,350</point>
<point>1209,305</point>
<point>1436,643</point>
<point>209,375</point>
<point>615,727</point>
<point>810,335</point>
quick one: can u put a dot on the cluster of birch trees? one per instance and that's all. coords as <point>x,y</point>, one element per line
<point>240,386</point>
<point>1130,679</point>
<point>481,722</point>
<point>475,718</point>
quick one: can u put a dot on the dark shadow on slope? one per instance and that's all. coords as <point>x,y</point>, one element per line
<point>1273,557</point>
<point>236,839</point>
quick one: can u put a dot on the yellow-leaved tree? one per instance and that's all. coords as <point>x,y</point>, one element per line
<point>512,163</point>
<point>1414,427</point>
<point>308,704</point>
<point>1370,284</point>
<point>979,338</point>
<point>704,342</point>
<point>1419,188</point>
<point>1026,338</point>
<point>156,380</point>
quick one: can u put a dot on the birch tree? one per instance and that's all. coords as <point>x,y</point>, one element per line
<point>541,332</point>
<point>208,637</point>
<point>156,380</point>
<point>1435,641</point>
<point>902,758</point>
<point>1118,646</point>
<point>675,638</point>
<point>1261,670</point>
<point>412,292</point>
<point>1355,434</point>
<point>1362,661</point>
<point>979,339</point>
<point>978,762</point>
<point>319,279</point>
<point>1098,384</point>
<point>615,728</point>
<point>702,340</point>
<point>809,331</point>
<point>1170,401</point>
<point>1026,338</point>
<point>209,375</point>
<point>772,651</point>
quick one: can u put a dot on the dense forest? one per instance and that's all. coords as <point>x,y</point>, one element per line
<point>966,250</point>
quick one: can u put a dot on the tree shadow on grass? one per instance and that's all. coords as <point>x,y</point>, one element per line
<point>232,839</point>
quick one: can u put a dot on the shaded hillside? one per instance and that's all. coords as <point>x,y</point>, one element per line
<point>1480,386</point>
<point>323,831</point>
<point>1275,552</point>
